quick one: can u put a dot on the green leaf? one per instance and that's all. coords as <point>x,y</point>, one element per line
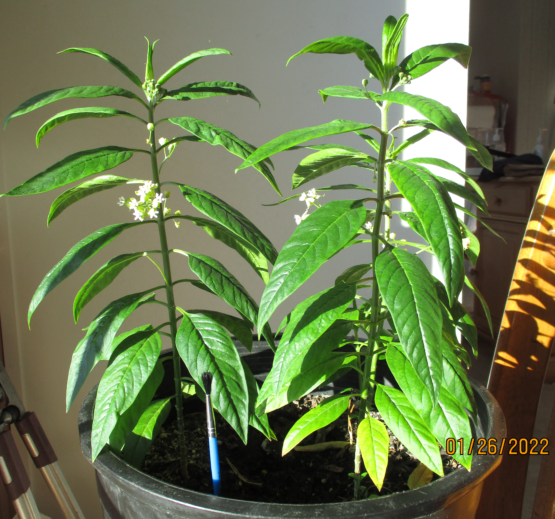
<point>323,162</point>
<point>110,59</point>
<point>89,92</point>
<point>464,193</point>
<point>473,249</point>
<point>373,143</point>
<point>325,232</point>
<point>215,135</point>
<point>74,167</point>
<point>149,72</point>
<point>295,137</point>
<point>373,440</point>
<point>329,410</point>
<point>451,167</point>
<point>230,218</point>
<point>204,89</point>
<point>122,432</point>
<point>258,422</point>
<point>414,223</point>
<point>410,141</point>
<point>309,321</point>
<point>338,187</point>
<point>76,256</point>
<point>446,419</point>
<point>347,45</point>
<point>347,91</point>
<point>480,153</point>
<point>410,295</point>
<point>102,278</point>
<point>437,215</point>
<point>482,300</point>
<point>440,115</point>
<point>408,426</point>
<point>391,47</point>
<point>419,477</point>
<point>146,430</point>
<point>96,185</point>
<point>353,274</point>
<point>205,346</point>
<point>98,344</point>
<point>224,284</point>
<point>185,62</point>
<point>238,327</point>
<point>455,380</point>
<point>119,387</point>
<point>427,58</point>
<point>97,112</point>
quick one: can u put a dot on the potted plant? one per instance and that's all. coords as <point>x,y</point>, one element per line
<point>125,409</point>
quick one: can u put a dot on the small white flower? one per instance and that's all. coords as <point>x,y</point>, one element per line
<point>162,141</point>
<point>153,213</point>
<point>466,243</point>
<point>133,203</point>
<point>305,197</point>
<point>299,219</point>
<point>368,226</point>
<point>138,215</point>
<point>391,235</point>
<point>158,199</point>
<point>150,127</point>
<point>121,201</point>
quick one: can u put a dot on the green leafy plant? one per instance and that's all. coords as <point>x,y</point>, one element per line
<point>412,318</point>
<point>126,416</point>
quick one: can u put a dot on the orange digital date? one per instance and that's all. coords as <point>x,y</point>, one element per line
<point>522,446</point>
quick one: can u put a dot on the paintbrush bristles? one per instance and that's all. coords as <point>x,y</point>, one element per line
<point>207,382</point>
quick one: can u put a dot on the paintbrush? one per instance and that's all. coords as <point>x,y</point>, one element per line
<point>212,441</point>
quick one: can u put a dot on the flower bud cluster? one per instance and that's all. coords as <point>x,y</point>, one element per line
<point>154,92</point>
<point>148,202</point>
<point>310,198</point>
<point>404,79</point>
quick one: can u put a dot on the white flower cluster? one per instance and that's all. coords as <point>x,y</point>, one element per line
<point>310,198</point>
<point>168,150</point>
<point>147,204</point>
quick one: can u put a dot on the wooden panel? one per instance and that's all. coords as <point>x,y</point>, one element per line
<point>510,199</point>
<point>523,350</point>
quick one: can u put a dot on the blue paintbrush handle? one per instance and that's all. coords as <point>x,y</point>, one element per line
<point>215,464</point>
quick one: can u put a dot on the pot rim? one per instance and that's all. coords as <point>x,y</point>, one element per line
<point>427,499</point>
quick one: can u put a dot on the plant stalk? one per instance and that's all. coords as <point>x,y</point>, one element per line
<point>368,382</point>
<point>171,302</point>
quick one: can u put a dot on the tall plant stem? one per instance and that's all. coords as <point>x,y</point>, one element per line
<point>171,302</point>
<point>368,380</point>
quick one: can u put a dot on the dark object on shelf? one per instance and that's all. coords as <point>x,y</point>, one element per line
<point>499,165</point>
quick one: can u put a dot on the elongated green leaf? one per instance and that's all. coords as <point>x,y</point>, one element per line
<point>230,218</point>
<point>97,112</point>
<point>328,411</point>
<point>204,89</point>
<point>98,343</point>
<point>205,346</point>
<point>480,153</point>
<point>440,115</point>
<point>238,327</point>
<point>146,430</point>
<point>149,72</point>
<point>347,45</point>
<point>314,241</point>
<point>437,215</point>
<point>96,185</point>
<point>122,432</point>
<point>73,167</point>
<point>455,380</point>
<point>391,47</point>
<point>464,193</point>
<point>323,162</point>
<point>353,274</point>
<point>110,59</point>
<point>339,187</point>
<point>408,426</point>
<point>409,142</point>
<point>224,284</point>
<point>414,223</point>
<point>350,92</point>
<point>312,368</point>
<point>468,282</point>
<point>188,60</point>
<point>329,146</point>
<point>472,248</point>
<point>388,26</point>
<point>446,419</point>
<point>258,422</point>
<point>374,446</point>
<point>102,278</point>
<point>215,135</point>
<point>451,167</point>
<point>76,256</point>
<point>468,329</point>
<point>410,295</point>
<point>120,342</point>
<point>427,58</point>
<point>295,137</point>
<point>64,93</point>
<point>119,387</point>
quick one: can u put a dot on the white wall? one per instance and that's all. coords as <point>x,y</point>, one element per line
<point>261,34</point>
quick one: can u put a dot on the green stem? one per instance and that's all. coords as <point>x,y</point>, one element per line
<point>171,303</point>
<point>368,380</point>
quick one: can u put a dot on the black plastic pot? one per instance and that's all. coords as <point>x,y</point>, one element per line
<point>127,493</point>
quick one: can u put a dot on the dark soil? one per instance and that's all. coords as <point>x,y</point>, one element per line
<point>258,472</point>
